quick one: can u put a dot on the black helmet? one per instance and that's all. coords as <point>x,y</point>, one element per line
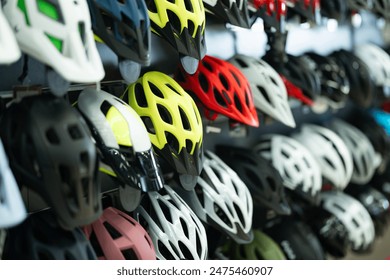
<point>40,238</point>
<point>234,12</point>
<point>362,90</point>
<point>300,70</point>
<point>376,134</point>
<point>375,202</point>
<point>296,239</point>
<point>331,232</point>
<point>262,179</point>
<point>124,26</point>
<point>51,151</point>
<point>335,86</point>
<point>335,9</point>
<point>381,182</point>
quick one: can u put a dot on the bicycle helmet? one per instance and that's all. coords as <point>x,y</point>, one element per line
<point>40,238</point>
<point>222,200</point>
<point>124,26</point>
<point>300,70</point>
<point>175,230</point>
<point>381,182</point>
<point>222,89</point>
<point>353,215</point>
<point>51,152</point>
<point>296,239</point>
<point>362,89</point>
<point>365,159</point>
<point>12,209</point>
<point>378,62</point>
<point>382,8</point>
<point>172,121</point>
<point>376,204</point>
<point>9,49</point>
<point>331,232</point>
<point>382,118</point>
<point>269,91</point>
<point>335,86</point>
<point>261,248</point>
<point>359,4</point>
<point>57,33</point>
<point>299,170</point>
<point>296,92</point>
<point>308,10</point>
<point>272,12</point>
<point>377,136</point>
<point>330,152</point>
<point>182,23</point>
<point>262,179</point>
<point>123,141</point>
<point>234,12</point>
<point>117,236</point>
<point>335,9</point>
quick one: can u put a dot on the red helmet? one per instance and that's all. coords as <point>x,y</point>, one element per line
<point>309,9</point>
<point>222,89</point>
<point>273,12</point>
<point>117,236</point>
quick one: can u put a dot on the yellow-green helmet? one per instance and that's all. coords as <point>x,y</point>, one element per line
<point>261,248</point>
<point>172,121</point>
<point>181,23</point>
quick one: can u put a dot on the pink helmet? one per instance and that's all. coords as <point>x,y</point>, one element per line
<point>117,236</point>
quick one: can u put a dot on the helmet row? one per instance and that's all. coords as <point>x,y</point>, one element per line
<point>162,119</point>
<point>167,228</point>
<point>31,126</point>
<point>61,34</point>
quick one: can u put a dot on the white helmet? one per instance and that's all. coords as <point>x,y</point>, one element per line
<point>222,199</point>
<point>12,209</point>
<point>124,142</point>
<point>9,49</point>
<point>330,151</point>
<point>57,33</point>
<point>353,215</point>
<point>269,91</point>
<point>176,232</point>
<point>378,62</point>
<point>365,159</point>
<point>296,165</point>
